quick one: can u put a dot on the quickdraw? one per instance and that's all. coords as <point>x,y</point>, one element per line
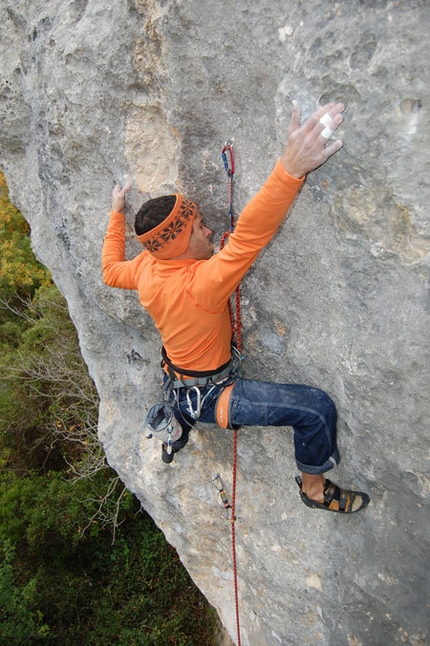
<point>219,486</point>
<point>228,159</point>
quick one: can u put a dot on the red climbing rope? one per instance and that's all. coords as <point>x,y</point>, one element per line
<point>233,536</point>
<point>236,327</point>
<point>234,307</point>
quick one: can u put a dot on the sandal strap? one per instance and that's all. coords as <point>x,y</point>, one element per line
<point>332,492</point>
<point>345,495</point>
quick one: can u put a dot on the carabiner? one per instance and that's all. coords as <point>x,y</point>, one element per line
<point>228,164</point>
<point>195,413</point>
<point>217,482</point>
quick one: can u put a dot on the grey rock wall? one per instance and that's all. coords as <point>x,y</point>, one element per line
<point>93,92</point>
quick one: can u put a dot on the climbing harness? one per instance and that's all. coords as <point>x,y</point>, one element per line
<point>180,378</point>
<point>194,382</point>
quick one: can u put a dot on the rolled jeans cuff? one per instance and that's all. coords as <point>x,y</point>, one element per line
<point>332,461</point>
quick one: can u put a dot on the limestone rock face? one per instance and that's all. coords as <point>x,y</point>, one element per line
<point>93,92</point>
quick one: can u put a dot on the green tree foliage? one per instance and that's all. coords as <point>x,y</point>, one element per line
<point>19,270</point>
<point>84,589</point>
<point>20,273</point>
<point>80,563</point>
<point>18,622</point>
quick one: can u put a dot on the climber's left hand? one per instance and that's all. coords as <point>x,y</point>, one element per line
<point>118,197</point>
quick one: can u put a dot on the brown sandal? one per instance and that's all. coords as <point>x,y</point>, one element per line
<point>344,501</point>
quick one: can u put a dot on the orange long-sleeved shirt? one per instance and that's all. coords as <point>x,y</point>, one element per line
<point>188,299</point>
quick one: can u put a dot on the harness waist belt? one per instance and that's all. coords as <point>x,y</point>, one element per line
<point>196,378</point>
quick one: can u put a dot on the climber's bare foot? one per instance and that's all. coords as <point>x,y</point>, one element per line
<point>313,486</point>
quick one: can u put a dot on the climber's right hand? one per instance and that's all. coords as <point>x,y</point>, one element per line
<point>307,146</point>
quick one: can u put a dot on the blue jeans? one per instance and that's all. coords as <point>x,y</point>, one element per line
<point>309,411</point>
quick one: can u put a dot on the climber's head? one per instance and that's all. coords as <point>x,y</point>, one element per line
<point>171,227</point>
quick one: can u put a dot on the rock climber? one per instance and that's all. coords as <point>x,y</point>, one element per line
<point>185,287</point>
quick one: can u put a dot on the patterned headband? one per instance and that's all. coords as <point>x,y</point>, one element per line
<point>170,238</point>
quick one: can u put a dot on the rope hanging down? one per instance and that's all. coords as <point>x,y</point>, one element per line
<point>236,326</point>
